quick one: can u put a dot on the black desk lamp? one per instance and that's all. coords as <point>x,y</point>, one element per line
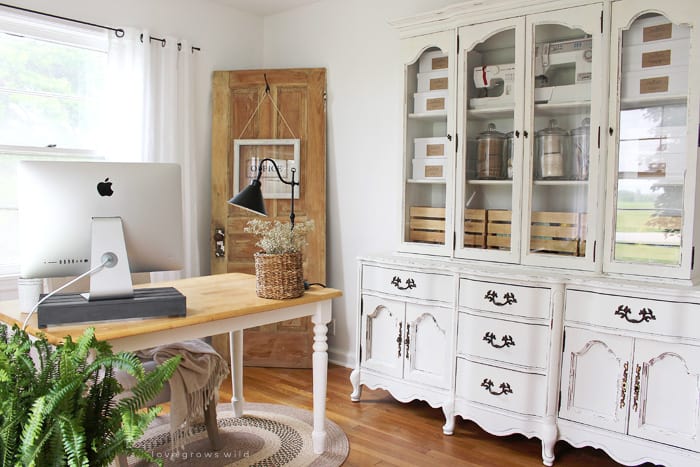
<point>251,197</point>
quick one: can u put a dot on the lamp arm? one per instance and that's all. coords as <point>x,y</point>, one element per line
<point>292,183</point>
<point>274,164</point>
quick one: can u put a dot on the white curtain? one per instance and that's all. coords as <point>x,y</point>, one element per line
<point>150,117</point>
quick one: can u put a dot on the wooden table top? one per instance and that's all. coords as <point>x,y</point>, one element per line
<point>209,298</point>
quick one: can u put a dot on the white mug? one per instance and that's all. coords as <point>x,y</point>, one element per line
<point>28,291</point>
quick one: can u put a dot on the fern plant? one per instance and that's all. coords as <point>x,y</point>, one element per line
<point>59,405</point>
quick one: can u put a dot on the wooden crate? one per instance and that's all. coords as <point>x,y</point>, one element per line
<point>498,234</point>
<point>555,232</point>
<point>475,228</point>
<point>426,225</point>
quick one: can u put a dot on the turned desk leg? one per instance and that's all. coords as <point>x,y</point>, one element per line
<point>320,375</point>
<point>236,341</point>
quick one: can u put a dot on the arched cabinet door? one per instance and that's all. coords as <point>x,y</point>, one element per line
<point>382,335</point>
<point>427,344</point>
<point>427,175</point>
<point>652,224</point>
<point>595,379</point>
<point>665,398</point>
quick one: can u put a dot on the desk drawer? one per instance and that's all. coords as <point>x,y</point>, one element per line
<point>530,302</point>
<point>516,391</point>
<point>675,319</point>
<point>406,283</point>
<point>501,340</point>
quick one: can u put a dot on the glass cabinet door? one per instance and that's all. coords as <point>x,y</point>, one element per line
<point>654,171</point>
<point>428,143</point>
<point>489,164</point>
<point>562,150</point>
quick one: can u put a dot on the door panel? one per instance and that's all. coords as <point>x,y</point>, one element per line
<point>382,335</point>
<point>427,343</point>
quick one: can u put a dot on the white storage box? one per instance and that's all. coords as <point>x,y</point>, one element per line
<point>429,168</point>
<point>653,29</point>
<point>654,82</point>
<point>431,101</point>
<point>430,147</point>
<point>432,61</point>
<point>432,81</point>
<point>655,55</point>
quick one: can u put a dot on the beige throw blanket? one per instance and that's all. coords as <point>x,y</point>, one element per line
<point>193,386</point>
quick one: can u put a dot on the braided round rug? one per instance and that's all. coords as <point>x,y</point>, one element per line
<point>267,435</point>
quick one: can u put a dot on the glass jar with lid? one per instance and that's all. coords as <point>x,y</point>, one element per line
<point>580,150</point>
<point>490,147</point>
<point>551,150</point>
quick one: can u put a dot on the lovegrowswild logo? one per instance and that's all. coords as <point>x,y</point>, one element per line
<point>191,455</point>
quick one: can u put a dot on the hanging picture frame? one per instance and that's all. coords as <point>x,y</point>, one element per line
<point>247,154</point>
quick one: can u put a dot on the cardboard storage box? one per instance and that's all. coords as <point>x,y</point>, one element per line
<point>430,147</point>
<point>653,29</point>
<point>425,168</point>
<point>432,61</point>
<point>653,82</point>
<point>657,54</point>
<point>432,81</point>
<point>431,101</point>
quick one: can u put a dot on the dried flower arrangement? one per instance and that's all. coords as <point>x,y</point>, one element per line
<point>276,237</point>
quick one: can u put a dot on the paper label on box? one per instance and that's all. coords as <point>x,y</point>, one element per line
<point>439,63</point>
<point>650,85</point>
<point>432,171</point>
<point>658,58</point>
<point>435,150</point>
<point>437,103</point>
<point>657,33</point>
<point>438,83</point>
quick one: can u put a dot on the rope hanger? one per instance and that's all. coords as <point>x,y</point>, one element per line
<point>267,95</point>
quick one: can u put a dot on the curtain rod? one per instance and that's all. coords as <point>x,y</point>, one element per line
<point>119,32</point>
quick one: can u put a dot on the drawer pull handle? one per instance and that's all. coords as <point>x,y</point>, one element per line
<point>410,283</point>
<point>623,394</point>
<point>488,385</point>
<point>637,387</point>
<point>398,338</point>
<point>508,298</point>
<point>647,314</point>
<point>407,341</point>
<point>491,337</point>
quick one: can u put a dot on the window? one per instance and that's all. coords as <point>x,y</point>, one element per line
<point>51,83</point>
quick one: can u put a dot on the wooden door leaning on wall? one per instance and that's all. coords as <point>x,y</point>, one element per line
<point>300,98</point>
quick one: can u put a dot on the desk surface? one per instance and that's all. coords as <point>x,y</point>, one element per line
<point>209,298</point>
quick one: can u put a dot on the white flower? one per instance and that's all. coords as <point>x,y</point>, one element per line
<point>276,237</point>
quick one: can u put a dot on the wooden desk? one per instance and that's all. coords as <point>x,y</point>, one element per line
<point>215,305</point>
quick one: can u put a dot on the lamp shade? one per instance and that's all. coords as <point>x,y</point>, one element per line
<point>250,198</point>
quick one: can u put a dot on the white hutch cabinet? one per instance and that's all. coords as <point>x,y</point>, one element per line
<point>544,282</point>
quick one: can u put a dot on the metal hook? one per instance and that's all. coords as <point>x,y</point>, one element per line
<point>267,85</point>
<point>119,32</point>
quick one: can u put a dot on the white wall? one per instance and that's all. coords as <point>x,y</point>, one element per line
<point>360,50</point>
<point>228,39</point>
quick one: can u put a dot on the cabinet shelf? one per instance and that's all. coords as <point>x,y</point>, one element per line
<point>477,181</point>
<point>430,116</point>
<point>562,108</point>
<point>561,182</point>
<point>651,101</point>
<point>427,182</point>
<point>489,113</point>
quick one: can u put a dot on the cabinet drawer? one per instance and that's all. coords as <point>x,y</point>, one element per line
<point>530,302</point>
<point>506,341</point>
<point>407,283</point>
<point>517,391</point>
<point>634,314</point>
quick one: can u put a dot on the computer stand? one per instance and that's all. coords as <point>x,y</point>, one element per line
<point>112,295</point>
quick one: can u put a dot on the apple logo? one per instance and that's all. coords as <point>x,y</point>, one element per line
<point>105,188</point>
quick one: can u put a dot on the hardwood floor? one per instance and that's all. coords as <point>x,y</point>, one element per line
<point>384,432</point>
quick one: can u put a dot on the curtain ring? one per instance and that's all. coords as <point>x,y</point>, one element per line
<point>141,38</point>
<point>162,42</point>
<point>179,46</point>
<point>119,32</point>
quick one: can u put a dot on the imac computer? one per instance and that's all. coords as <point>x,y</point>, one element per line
<point>106,218</point>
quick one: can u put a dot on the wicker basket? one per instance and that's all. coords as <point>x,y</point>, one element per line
<point>279,276</point>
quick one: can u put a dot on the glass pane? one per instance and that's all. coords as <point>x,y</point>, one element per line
<point>489,148</point>
<point>652,142</point>
<point>49,93</point>
<point>562,140</point>
<point>426,148</point>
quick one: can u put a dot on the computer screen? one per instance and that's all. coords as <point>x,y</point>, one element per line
<point>62,205</point>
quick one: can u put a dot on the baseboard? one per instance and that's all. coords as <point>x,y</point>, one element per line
<point>338,357</point>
